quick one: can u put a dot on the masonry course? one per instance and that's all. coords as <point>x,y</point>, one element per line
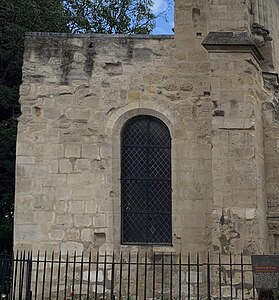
<point>210,83</point>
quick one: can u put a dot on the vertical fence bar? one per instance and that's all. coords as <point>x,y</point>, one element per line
<point>145,275</point>
<point>74,275</point>
<point>112,277</point>
<point>220,277</point>
<point>171,277</point>
<point>162,277</point>
<point>105,271</point>
<point>137,275</point>
<point>189,276</point>
<point>129,276</point>
<point>81,276</point>
<point>253,286</point>
<point>21,274</point>
<point>66,275</point>
<point>12,276</point>
<point>51,276</point>
<point>58,276</point>
<point>231,276</point>
<point>15,277</point>
<point>242,276</point>
<point>198,276</point>
<point>2,267</point>
<point>154,278</point>
<point>88,277</point>
<point>37,274</point>
<point>28,293</point>
<point>208,277</point>
<point>97,273</point>
<point>120,277</point>
<point>180,277</point>
<point>2,273</point>
<point>44,276</point>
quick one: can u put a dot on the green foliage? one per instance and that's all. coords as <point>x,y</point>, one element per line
<point>17,17</point>
<point>111,16</point>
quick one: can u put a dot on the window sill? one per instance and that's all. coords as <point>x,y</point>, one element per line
<point>167,250</point>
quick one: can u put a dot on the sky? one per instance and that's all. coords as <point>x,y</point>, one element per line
<point>164,9</point>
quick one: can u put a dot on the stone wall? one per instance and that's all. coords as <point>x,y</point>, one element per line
<point>205,83</point>
<point>77,94</point>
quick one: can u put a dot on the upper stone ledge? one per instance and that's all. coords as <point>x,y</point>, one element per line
<point>231,40</point>
<point>99,35</point>
<point>228,38</point>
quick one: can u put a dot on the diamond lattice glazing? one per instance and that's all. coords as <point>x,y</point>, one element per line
<point>146,182</point>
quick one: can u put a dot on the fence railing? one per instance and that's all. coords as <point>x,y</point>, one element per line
<point>128,276</point>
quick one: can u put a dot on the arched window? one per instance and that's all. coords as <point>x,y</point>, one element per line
<point>146,206</point>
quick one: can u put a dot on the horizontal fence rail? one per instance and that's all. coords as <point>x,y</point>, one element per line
<point>128,276</point>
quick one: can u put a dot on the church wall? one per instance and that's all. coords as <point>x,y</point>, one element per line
<point>79,90</point>
<point>76,96</point>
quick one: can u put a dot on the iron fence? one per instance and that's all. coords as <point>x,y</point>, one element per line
<point>128,276</point>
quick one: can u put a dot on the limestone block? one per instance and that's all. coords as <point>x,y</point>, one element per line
<point>74,179</point>
<point>24,150</point>
<point>28,233</point>
<point>90,150</point>
<point>61,207</point>
<point>25,160</point>
<point>45,217</point>
<point>53,150</point>
<point>82,165</point>
<point>106,151</point>
<point>64,220</point>
<point>52,113</point>
<point>65,166</point>
<point>133,95</point>
<point>76,206</point>
<point>63,193</point>
<point>91,206</point>
<point>72,151</point>
<point>65,99</point>
<point>233,123</point>
<point>82,192</point>
<point>71,248</point>
<point>57,235</point>
<point>104,206</point>
<point>73,234</point>
<point>99,220</point>
<point>151,89</point>
<point>87,235</point>
<point>37,185</point>
<point>23,185</point>
<point>26,217</point>
<point>72,113</point>
<point>251,213</point>
<point>41,201</point>
<point>82,220</point>
<point>53,166</point>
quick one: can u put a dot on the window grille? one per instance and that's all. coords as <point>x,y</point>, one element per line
<point>146,206</point>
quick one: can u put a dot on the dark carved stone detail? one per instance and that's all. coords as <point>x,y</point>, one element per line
<point>260,35</point>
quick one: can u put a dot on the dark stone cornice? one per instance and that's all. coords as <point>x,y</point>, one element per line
<point>231,41</point>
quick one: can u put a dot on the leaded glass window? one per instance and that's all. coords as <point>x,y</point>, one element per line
<point>146,206</point>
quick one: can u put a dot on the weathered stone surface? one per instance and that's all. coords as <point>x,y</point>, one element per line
<point>225,163</point>
<point>71,248</point>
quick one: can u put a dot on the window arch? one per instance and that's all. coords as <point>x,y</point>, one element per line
<point>146,206</point>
